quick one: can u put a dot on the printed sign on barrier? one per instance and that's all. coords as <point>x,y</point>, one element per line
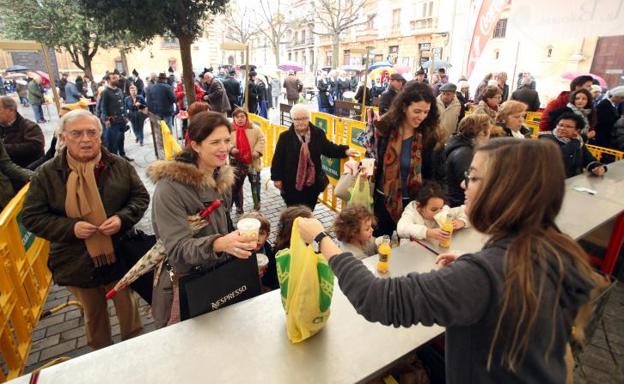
<point>27,237</point>
<point>331,167</point>
<point>321,122</point>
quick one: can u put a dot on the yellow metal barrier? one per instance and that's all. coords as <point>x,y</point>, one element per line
<point>24,284</point>
<point>599,151</point>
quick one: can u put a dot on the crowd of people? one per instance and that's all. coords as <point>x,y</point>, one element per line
<point>434,152</point>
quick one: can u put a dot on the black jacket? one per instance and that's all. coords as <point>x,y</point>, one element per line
<point>112,103</point>
<point>607,116</point>
<point>575,155</point>
<point>386,99</point>
<point>459,152</point>
<point>324,87</point>
<point>23,141</point>
<point>160,99</point>
<point>286,158</point>
<point>528,96</point>
<point>233,90</point>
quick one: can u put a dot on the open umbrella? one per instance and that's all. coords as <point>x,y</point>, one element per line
<point>45,78</point>
<point>573,75</point>
<point>353,68</point>
<point>380,64</point>
<point>386,71</point>
<point>290,66</point>
<point>437,64</point>
<point>16,68</point>
<point>267,71</point>
<point>402,68</point>
<point>15,75</point>
<point>157,254</point>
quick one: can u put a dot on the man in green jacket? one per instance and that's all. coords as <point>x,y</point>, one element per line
<point>35,98</point>
<point>81,201</point>
<point>12,177</point>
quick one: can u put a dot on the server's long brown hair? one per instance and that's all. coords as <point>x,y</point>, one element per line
<point>520,197</point>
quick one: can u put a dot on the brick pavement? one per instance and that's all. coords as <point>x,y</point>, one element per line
<point>62,334</point>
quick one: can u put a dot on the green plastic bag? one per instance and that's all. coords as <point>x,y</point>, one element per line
<point>306,286</point>
<point>361,193</point>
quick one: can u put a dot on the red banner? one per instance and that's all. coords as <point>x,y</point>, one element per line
<point>484,26</point>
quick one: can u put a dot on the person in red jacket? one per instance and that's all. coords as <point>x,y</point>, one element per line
<point>561,101</point>
<point>181,94</point>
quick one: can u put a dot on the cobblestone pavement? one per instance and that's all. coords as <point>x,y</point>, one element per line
<point>62,334</point>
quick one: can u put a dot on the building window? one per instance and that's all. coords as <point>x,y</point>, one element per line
<point>346,58</point>
<point>396,20</point>
<point>393,54</point>
<point>328,59</point>
<point>173,63</point>
<point>549,52</point>
<point>496,54</point>
<point>303,37</point>
<point>501,29</point>
<point>119,64</point>
<point>370,24</point>
<point>430,9</point>
<point>289,56</point>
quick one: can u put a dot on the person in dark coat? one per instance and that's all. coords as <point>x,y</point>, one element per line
<point>254,93</point>
<point>138,82</point>
<point>233,89</point>
<point>135,105</point>
<point>325,98</point>
<point>607,111</point>
<point>408,129</point>
<point>527,95</point>
<point>215,94</point>
<point>576,156</point>
<point>160,100</point>
<point>472,130</point>
<point>22,138</point>
<point>360,94</point>
<point>396,83</point>
<point>81,201</point>
<point>12,177</point>
<point>298,183</point>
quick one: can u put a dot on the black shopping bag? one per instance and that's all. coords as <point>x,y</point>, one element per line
<point>233,281</point>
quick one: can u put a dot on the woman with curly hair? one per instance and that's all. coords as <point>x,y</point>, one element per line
<point>409,150</point>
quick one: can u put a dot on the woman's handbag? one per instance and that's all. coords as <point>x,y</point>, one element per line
<point>230,282</point>
<point>130,247</point>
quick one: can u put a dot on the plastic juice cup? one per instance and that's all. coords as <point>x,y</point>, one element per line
<point>249,228</point>
<point>368,165</point>
<point>263,260</point>
<point>448,228</point>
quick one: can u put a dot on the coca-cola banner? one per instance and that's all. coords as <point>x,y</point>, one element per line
<point>489,13</point>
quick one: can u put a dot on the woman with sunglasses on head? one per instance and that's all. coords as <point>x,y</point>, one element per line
<point>508,309</point>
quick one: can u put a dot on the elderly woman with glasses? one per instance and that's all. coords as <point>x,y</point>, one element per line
<point>296,168</point>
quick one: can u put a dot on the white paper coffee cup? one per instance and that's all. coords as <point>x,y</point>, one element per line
<point>368,165</point>
<point>249,227</point>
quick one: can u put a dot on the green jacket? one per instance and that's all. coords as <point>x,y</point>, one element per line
<point>35,94</point>
<point>10,174</point>
<point>122,194</point>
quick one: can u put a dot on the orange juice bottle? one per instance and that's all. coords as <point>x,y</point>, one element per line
<point>447,227</point>
<point>384,251</point>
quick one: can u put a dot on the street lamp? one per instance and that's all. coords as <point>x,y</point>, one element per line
<point>236,46</point>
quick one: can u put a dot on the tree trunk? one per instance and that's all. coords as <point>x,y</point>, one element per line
<point>87,64</point>
<point>187,67</point>
<point>276,50</point>
<point>124,60</point>
<point>335,49</point>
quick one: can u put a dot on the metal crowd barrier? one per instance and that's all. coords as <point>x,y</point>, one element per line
<point>24,283</point>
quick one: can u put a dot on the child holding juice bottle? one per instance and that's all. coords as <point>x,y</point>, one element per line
<point>425,216</point>
<point>269,274</point>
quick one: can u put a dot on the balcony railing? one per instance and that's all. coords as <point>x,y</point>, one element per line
<point>425,23</point>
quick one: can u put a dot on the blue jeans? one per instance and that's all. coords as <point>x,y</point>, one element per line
<point>115,139</point>
<point>38,110</point>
